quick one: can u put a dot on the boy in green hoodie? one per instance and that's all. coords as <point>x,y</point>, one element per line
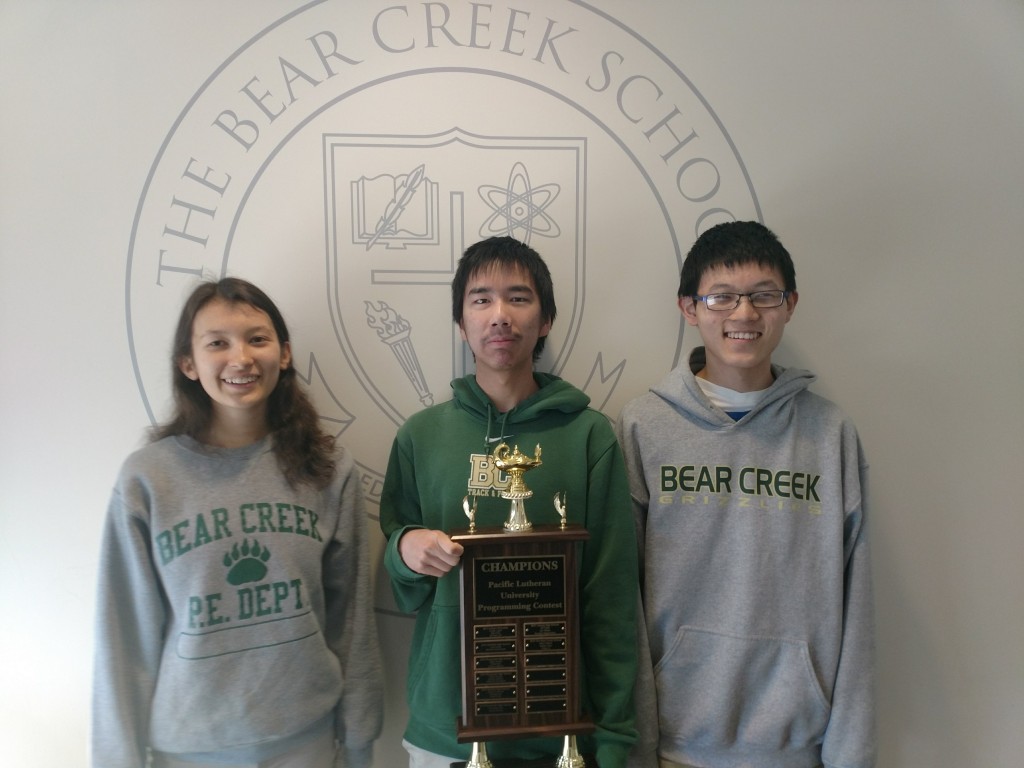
<point>503,302</point>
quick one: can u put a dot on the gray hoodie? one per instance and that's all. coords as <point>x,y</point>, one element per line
<point>756,575</point>
<point>234,616</point>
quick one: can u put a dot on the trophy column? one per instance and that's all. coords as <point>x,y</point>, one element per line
<point>520,627</point>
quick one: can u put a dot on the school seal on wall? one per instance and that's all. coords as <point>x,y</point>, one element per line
<point>345,156</point>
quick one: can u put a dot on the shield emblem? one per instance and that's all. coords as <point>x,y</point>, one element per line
<point>400,212</point>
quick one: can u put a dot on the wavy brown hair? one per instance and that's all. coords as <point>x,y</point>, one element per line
<point>305,453</point>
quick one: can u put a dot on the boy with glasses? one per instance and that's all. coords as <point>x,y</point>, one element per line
<point>749,495</point>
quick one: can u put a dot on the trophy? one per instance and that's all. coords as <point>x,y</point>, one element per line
<point>515,465</point>
<point>520,623</point>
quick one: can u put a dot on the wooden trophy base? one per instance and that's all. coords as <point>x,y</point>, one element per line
<point>520,635</point>
<point>544,762</point>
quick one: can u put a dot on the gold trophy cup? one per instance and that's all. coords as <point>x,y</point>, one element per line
<point>515,464</point>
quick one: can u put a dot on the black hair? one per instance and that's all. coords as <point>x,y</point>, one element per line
<point>732,244</point>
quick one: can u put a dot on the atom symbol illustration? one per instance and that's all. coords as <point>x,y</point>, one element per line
<point>519,207</point>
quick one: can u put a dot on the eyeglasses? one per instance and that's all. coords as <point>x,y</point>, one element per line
<point>723,302</point>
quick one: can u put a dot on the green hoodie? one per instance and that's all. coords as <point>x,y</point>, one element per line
<point>436,460</point>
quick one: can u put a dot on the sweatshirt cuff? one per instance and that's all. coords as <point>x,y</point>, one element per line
<point>354,757</point>
<point>399,569</point>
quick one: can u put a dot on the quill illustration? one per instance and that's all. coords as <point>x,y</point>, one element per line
<point>394,209</point>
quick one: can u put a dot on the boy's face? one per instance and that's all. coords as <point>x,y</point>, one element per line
<point>501,320</point>
<point>739,342</point>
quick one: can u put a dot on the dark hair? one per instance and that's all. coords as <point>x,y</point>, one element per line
<point>304,452</point>
<point>507,253</point>
<point>732,244</point>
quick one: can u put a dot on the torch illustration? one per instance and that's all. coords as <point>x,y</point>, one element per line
<point>394,330</point>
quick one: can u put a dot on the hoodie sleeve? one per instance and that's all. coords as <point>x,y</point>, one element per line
<point>130,618</point>
<point>609,599</point>
<point>644,752</point>
<point>399,512</point>
<point>850,738</point>
<point>351,628</point>
<point>640,495</point>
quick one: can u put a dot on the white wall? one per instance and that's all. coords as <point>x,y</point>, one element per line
<point>882,141</point>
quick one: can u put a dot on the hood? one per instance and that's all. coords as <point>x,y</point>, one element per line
<point>681,390</point>
<point>554,395</point>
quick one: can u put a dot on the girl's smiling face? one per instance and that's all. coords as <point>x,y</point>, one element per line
<point>237,358</point>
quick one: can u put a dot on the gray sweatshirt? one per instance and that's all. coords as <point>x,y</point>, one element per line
<point>234,615</point>
<point>756,576</point>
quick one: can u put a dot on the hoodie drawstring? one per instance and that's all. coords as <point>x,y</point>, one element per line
<point>488,440</point>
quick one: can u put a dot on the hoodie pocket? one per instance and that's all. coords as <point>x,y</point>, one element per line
<point>717,689</point>
<point>435,680</point>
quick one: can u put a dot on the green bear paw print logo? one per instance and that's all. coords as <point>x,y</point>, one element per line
<point>246,562</point>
